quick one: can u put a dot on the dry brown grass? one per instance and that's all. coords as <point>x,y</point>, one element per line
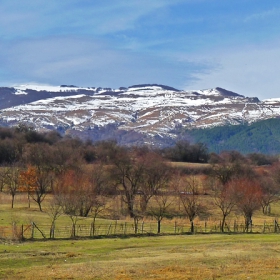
<point>21,214</point>
<point>182,257</point>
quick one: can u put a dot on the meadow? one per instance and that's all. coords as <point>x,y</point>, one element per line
<point>182,256</point>
<point>65,236</point>
<point>205,255</point>
<point>241,256</point>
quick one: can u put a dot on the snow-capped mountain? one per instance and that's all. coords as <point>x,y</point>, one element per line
<point>146,109</point>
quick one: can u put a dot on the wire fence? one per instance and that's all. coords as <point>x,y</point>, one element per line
<point>34,231</point>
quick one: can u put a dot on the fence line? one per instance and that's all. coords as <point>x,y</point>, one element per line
<point>116,228</point>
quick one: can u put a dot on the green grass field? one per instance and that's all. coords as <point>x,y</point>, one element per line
<point>246,256</point>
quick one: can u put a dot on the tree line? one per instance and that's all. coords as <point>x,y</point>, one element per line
<point>81,177</point>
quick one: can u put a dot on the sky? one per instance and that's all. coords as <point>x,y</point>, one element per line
<point>186,44</point>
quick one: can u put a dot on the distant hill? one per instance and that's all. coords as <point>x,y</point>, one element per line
<point>258,137</point>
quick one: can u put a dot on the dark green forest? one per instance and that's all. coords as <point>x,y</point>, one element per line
<point>260,137</point>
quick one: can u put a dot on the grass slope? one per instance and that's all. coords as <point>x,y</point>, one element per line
<point>163,257</point>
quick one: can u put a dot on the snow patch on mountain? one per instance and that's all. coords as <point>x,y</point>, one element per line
<point>49,88</point>
<point>272,100</point>
<point>149,109</point>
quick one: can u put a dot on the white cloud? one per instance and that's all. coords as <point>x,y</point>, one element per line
<point>39,42</point>
<point>86,62</point>
<point>262,15</point>
<point>40,17</point>
<point>251,71</point>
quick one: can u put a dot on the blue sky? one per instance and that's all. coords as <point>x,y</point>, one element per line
<point>187,44</point>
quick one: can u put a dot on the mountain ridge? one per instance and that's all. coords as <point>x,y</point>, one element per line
<point>150,111</point>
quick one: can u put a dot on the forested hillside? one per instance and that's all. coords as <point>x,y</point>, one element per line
<point>260,137</point>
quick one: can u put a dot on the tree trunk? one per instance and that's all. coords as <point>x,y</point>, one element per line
<point>73,233</point>
<point>28,196</point>
<point>158,226</point>
<point>13,199</point>
<point>223,224</point>
<point>52,231</point>
<point>39,204</point>
<point>130,208</point>
<point>192,226</point>
<point>135,225</point>
<point>248,222</point>
<point>93,225</point>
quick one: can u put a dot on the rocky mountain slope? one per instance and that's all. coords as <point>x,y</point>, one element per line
<point>151,110</point>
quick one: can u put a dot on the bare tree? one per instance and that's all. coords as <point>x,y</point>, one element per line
<point>127,173</point>
<point>248,195</point>
<point>106,151</point>
<point>269,180</point>
<point>161,208</point>
<point>12,180</point>
<point>38,155</point>
<point>65,156</point>
<point>71,207</point>
<point>224,199</point>
<point>99,190</point>
<point>231,165</point>
<point>188,195</point>
<point>80,192</point>
<point>98,206</point>
<point>38,182</point>
<point>270,193</point>
<point>155,177</point>
<point>66,197</point>
<point>54,210</point>
<point>223,172</point>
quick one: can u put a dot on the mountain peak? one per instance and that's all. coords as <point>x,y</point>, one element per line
<point>225,92</point>
<point>218,92</point>
<point>154,85</point>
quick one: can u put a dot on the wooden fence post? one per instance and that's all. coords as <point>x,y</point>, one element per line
<point>22,237</point>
